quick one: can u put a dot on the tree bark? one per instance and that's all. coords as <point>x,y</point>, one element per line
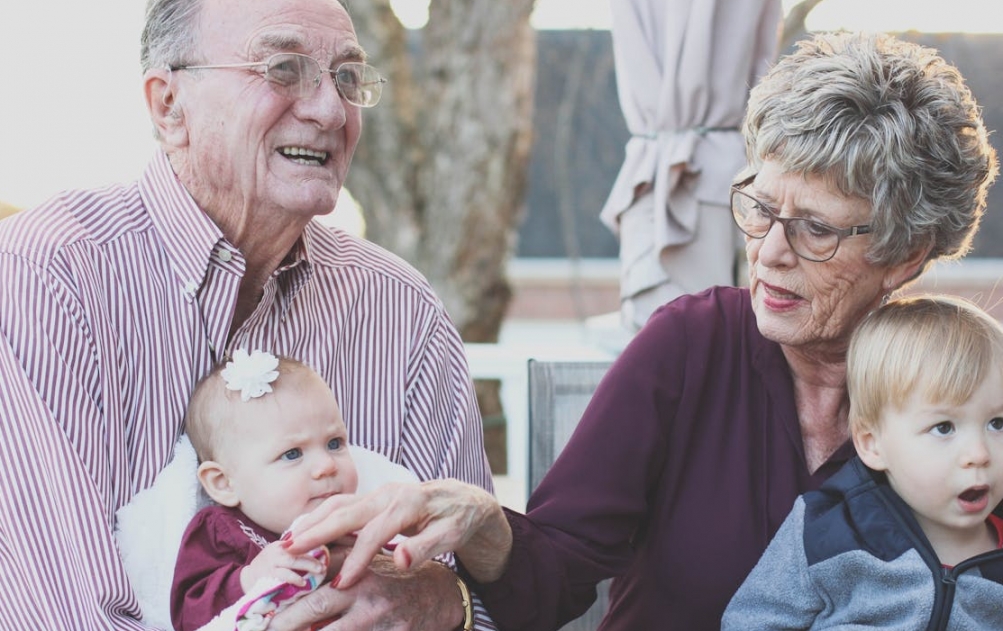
<point>794,23</point>
<point>440,171</point>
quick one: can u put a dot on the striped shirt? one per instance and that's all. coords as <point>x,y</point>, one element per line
<point>114,303</point>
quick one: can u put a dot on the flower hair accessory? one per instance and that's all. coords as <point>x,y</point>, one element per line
<point>251,373</point>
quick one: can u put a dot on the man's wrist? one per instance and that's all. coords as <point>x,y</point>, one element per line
<point>468,605</point>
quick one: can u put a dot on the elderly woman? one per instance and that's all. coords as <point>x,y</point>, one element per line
<point>868,161</point>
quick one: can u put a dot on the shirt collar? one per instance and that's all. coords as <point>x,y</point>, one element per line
<point>188,234</point>
<point>191,238</point>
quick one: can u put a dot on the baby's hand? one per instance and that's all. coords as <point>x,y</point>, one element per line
<point>275,562</point>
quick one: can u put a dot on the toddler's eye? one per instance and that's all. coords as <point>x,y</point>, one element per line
<point>334,444</point>
<point>943,428</point>
<point>996,423</point>
<point>292,454</point>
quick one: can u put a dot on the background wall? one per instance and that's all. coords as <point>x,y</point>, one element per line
<point>580,138</point>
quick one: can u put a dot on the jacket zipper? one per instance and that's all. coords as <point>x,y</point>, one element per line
<point>944,600</point>
<point>944,581</point>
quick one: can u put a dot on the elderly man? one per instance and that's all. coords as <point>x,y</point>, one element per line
<point>115,301</point>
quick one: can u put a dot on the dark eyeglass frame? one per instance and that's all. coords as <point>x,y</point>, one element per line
<point>266,68</point>
<point>791,225</point>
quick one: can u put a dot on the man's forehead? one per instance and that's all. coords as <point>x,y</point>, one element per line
<point>306,26</point>
<point>339,48</point>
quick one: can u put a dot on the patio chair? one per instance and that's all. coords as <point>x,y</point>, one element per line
<point>558,394</point>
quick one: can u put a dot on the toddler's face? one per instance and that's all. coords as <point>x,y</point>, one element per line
<point>945,461</point>
<point>289,454</point>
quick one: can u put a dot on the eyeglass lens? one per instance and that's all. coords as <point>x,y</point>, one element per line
<point>297,76</point>
<point>809,239</point>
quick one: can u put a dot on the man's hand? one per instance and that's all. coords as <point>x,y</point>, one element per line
<point>384,599</point>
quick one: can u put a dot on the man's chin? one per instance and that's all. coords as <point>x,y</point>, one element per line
<point>318,204</point>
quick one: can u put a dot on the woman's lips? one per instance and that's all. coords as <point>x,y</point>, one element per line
<point>777,297</point>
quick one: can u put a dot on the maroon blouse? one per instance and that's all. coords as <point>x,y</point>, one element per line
<point>684,465</point>
<point>218,543</point>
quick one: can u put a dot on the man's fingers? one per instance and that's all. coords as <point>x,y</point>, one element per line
<point>322,603</point>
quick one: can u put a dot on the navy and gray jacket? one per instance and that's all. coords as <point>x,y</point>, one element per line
<point>851,556</point>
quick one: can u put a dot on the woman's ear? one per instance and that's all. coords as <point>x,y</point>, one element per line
<point>898,275</point>
<point>160,92</point>
<point>217,484</point>
<point>868,445</point>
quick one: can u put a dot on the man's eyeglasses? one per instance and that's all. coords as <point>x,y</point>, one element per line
<point>811,240</point>
<point>295,76</point>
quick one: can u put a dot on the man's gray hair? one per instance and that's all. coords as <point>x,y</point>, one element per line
<point>170,34</point>
<point>885,120</point>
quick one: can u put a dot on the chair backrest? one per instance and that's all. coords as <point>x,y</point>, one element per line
<point>558,394</point>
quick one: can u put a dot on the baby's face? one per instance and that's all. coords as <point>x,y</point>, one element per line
<point>945,461</point>
<point>289,454</point>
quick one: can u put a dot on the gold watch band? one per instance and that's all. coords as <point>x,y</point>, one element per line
<point>468,605</point>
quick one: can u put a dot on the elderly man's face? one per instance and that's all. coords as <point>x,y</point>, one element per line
<point>251,147</point>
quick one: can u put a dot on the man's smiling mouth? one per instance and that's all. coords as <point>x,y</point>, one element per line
<point>304,156</point>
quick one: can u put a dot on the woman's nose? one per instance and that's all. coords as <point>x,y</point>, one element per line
<point>774,249</point>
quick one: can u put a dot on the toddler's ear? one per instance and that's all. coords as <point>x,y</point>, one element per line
<point>217,484</point>
<point>868,445</point>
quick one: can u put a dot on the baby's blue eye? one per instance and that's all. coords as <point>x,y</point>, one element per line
<point>996,423</point>
<point>292,454</point>
<point>334,444</point>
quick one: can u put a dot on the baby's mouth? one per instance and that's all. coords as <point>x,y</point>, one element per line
<point>974,494</point>
<point>974,499</point>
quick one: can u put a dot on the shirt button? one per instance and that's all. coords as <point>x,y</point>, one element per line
<point>191,288</point>
<point>225,255</point>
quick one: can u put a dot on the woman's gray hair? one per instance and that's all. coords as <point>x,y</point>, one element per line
<point>884,120</point>
<point>170,34</point>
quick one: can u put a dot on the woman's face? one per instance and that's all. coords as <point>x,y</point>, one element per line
<point>804,304</point>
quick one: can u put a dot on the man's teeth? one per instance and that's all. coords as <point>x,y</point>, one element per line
<point>304,156</point>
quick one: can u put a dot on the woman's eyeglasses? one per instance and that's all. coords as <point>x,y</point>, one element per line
<point>810,239</point>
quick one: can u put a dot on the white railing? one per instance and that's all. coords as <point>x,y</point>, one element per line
<point>508,363</point>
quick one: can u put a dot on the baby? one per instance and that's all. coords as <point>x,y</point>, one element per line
<point>271,445</point>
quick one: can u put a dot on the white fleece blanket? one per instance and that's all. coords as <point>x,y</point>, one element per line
<point>149,528</point>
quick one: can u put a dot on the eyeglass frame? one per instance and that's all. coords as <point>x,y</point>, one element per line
<point>266,64</point>
<point>785,222</point>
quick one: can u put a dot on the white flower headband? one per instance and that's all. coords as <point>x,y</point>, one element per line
<point>251,373</point>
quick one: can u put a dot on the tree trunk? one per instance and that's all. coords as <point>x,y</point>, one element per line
<point>794,23</point>
<point>440,171</point>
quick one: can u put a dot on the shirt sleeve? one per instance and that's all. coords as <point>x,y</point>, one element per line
<point>443,433</point>
<point>56,509</point>
<point>583,516</point>
<point>207,575</point>
<point>442,399</point>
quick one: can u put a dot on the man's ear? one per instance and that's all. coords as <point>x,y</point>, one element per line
<point>868,446</point>
<point>160,92</point>
<point>217,484</point>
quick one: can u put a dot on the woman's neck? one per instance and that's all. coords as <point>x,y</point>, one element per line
<point>821,402</point>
